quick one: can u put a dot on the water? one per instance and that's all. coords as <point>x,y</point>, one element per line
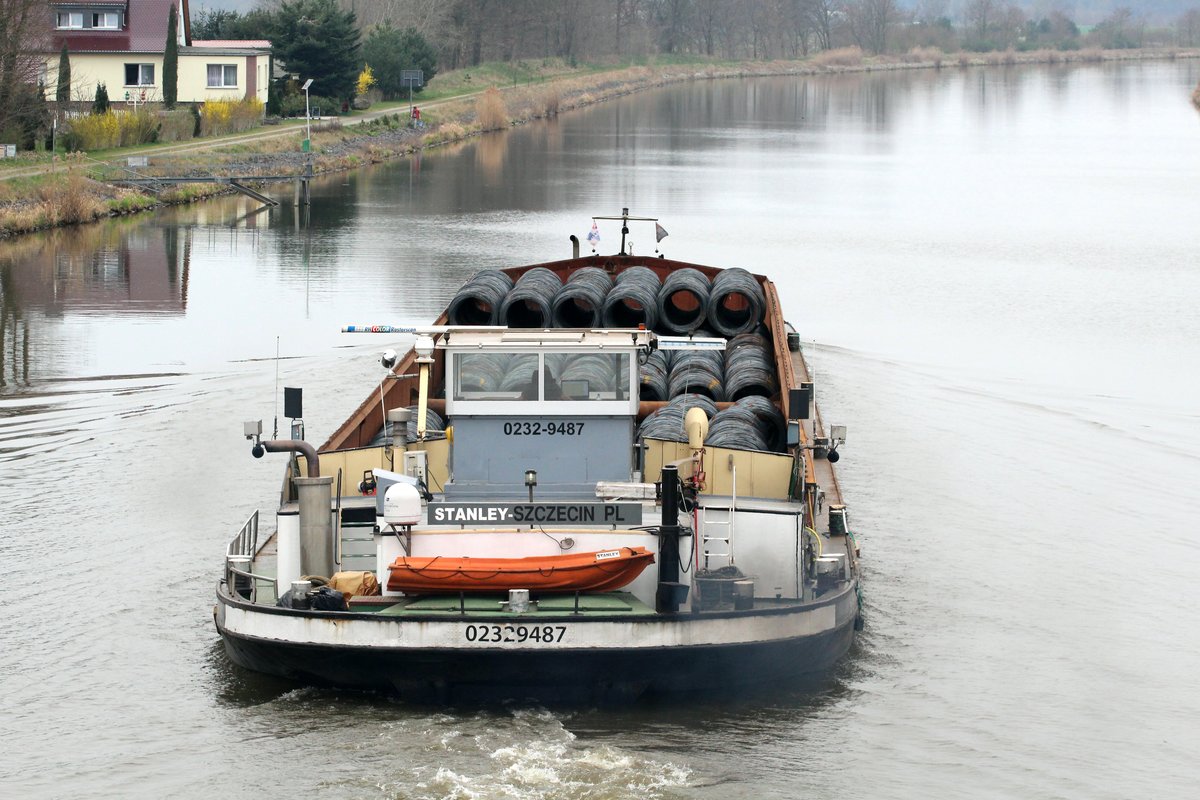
<point>995,274</point>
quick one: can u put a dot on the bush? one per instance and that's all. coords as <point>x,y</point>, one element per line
<point>123,128</point>
<point>219,117</point>
<point>68,201</point>
<point>549,102</point>
<point>175,126</point>
<point>138,126</point>
<point>490,110</point>
<point>293,106</point>
<point>93,132</point>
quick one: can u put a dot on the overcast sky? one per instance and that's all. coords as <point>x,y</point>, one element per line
<point>233,5</point>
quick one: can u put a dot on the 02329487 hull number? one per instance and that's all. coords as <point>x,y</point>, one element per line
<point>515,634</point>
<point>548,428</point>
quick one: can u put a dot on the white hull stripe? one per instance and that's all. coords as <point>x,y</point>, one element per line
<point>529,635</point>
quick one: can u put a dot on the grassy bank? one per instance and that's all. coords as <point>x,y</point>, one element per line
<point>457,106</point>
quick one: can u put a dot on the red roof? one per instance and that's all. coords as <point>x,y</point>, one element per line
<point>259,43</point>
<point>145,31</point>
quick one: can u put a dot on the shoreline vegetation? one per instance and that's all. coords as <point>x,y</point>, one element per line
<point>75,188</point>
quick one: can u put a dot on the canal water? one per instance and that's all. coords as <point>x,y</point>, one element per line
<point>995,274</point>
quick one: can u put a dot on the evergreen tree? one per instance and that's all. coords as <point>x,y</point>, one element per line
<point>171,62</point>
<point>100,104</point>
<point>315,39</point>
<point>389,50</point>
<point>63,93</point>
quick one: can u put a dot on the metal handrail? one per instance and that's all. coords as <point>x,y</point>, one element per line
<point>231,570</point>
<point>245,545</point>
<point>246,541</point>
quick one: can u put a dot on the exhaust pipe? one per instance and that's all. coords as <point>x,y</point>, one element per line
<point>574,246</point>
<point>294,446</point>
<point>315,496</point>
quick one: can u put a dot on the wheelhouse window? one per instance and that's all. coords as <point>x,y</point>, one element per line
<point>68,20</point>
<point>496,376</point>
<point>139,74</point>
<point>587,376</point>
<point>106,20</point>
<point>222,76</point>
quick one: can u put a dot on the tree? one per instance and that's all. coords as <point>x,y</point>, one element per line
<point>171,61</point>
<point>389,51</point>
<point>217,23</point>
<point>100,104</point>
<point>1120,29</point>
<point>62,94</point>
<point>315,39</point>
<point>1187,29</point>
<point>870,22</point>
<point>23,37</point>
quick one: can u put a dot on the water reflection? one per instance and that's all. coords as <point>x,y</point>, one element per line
<point>95,270</point>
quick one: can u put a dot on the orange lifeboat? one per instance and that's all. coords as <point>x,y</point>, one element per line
<point>601,571</point>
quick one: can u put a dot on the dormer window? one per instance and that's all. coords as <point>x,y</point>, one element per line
<point>81,20</point>
<point>106,20</point>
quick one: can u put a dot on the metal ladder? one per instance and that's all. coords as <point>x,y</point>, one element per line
<point>727,522</point>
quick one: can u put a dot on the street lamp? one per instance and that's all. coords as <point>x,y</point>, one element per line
<point>307,112</point>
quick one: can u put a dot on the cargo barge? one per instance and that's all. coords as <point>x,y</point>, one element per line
<point>589,480</point>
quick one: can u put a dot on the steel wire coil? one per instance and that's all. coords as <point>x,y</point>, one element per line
<point>683,301</point>
<point>696,377</point>
<point>580,302</point>
<point>771,422</point>
<point>478,301</point>
<point>749,367</point>
<point>652,377</point>
<point>735,427</point>
<point>667,422</point>
<point>633,300</point>
<point>698,371</point>
<point>595,368</point>
<point>736,302</point>
<point>484,374</point>
<point>528,304</point>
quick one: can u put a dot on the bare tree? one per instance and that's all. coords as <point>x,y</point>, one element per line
<point>870,21</point>
<point>820,14</point>
<point>23,39</point>
<point>1187,29</point>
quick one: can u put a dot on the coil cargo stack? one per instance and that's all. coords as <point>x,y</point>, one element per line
<point>590,480</point>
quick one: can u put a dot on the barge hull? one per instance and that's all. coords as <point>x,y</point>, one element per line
<point>580,676</point>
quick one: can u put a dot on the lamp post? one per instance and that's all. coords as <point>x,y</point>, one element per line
<point>307,115</point>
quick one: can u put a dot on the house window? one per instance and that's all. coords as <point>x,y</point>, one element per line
<point>139,74</point>
<point>69,19</point>
<point>222,76</point>
<point>107,20</point>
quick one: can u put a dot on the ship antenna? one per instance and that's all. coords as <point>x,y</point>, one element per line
<point>275,432</point>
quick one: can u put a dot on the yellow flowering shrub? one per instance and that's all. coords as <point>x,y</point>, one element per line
<point>218,117</point>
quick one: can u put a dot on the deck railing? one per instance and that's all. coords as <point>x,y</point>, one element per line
<point>239,557</point>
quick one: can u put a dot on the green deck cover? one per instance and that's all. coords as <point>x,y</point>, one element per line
<point>490,606</point>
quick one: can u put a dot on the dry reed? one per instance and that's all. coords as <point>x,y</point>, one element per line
<point>839,57</point>
<point>491,111</point>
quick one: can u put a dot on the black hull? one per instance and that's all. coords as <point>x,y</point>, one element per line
<point>602,677</point>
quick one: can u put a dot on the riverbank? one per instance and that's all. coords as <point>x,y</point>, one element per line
<point>79,189</point>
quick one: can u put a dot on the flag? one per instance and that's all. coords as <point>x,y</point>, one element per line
<point>660,232</point>
<point>594,235</point>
